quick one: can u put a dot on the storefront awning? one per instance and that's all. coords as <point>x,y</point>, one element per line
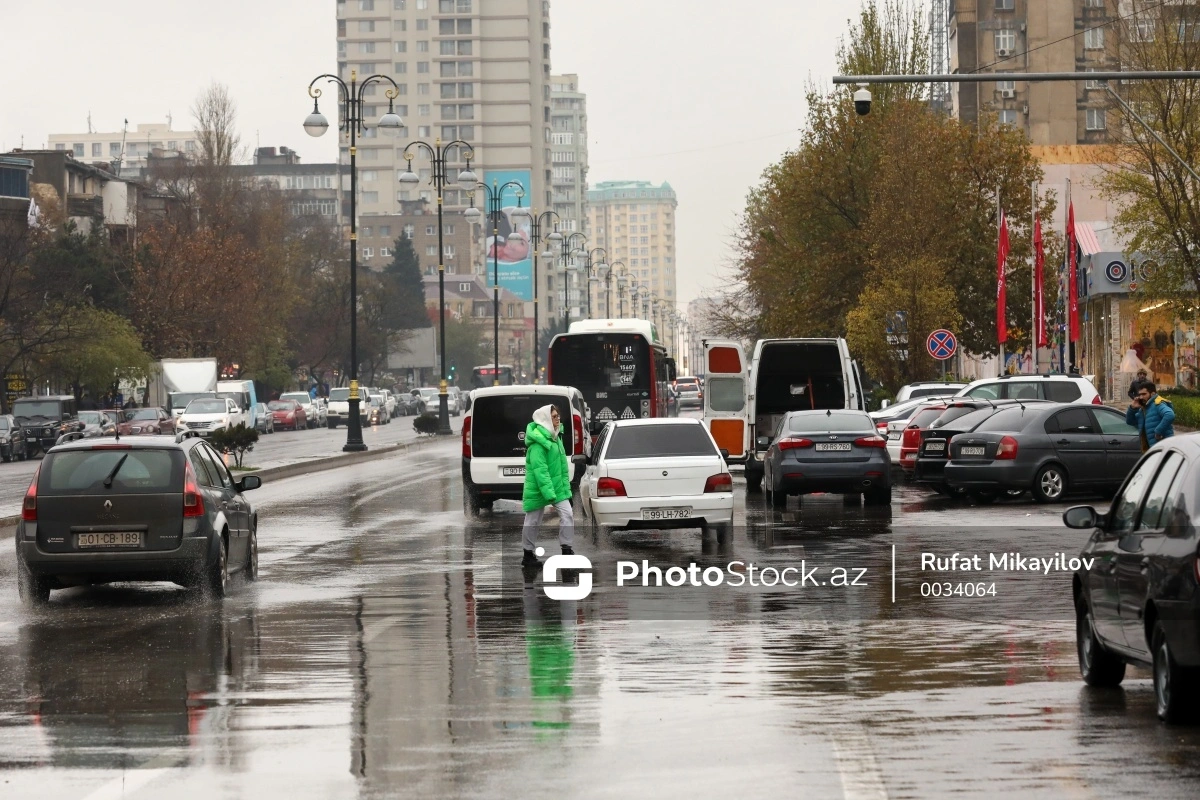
<point>1086,236</point>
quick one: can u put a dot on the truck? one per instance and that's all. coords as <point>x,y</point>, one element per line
<point>178,381</point>
<point>242,393</point>
<point>746,398</point>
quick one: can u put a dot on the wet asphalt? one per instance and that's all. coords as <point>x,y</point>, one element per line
<point>392,649</point>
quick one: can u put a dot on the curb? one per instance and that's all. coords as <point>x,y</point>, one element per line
<point>8,525</point>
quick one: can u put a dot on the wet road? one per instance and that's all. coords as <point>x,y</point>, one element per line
<point>389,652</point>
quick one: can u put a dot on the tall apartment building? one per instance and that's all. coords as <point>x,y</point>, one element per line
<point>1036,36</point>
<point>568,151</point>
<point>634,221</point>
<point>130,148</point>
<point>470,70</point>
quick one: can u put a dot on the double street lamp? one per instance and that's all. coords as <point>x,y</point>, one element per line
<point>493,196</point>
<point>350,100</point>
<point>569,252</point>
<point>467,181</point>
<point>615,269</point>
<point>537,222</point>
<point>592,272</point>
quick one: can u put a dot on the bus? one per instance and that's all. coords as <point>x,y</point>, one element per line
<point>483,376</point>
<point>620,366</point>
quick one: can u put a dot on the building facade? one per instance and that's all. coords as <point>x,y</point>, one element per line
<point>634,221</point>
<point>377,237</point>
<point>568,151</point>
<point>128,150</point>
<point>471,70</point>
<point>312,190</point>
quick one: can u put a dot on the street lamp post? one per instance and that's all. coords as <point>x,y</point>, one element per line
<point>536,223</point>
<point>466,180</point>
<point>350,99</point>
<point>608,280</point>
<point>592,271</point>
<point>493,196</point>
<point>568,252</point>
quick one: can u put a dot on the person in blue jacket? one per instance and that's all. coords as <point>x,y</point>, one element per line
<point>1152,414</point>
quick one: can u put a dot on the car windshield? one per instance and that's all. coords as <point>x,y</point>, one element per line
<point>145,413</point>
<point>933,391</point>
<point>35,408</point>
<point>3,424</point>
<point>687,383</point>
<point>1012,418</point>
<point>428,393</point>
<point>182,400</point>
<point>672,440</point>
<point>280,405</point>
<point>834,422</point>
<point>89,417</point>
<point>339,395</point>
<point>84,471</point>
<point>925,416</point>
<point>206,407</point>
<point>299,397</point>
<point>950,415</point>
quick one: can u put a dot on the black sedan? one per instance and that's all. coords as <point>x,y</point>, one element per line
<point>1137,593</point>
<point>1049,449</point>
<point>826,451</point>
<point>961,416</point>
<point>12,439</point>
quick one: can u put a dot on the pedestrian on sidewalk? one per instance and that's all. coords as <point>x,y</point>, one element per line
<point>547,483</point>
<point>1152,414</point>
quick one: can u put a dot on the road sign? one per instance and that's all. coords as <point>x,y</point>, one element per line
<point>941,344</point>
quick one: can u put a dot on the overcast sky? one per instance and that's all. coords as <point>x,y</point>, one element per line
<point>703,94</point>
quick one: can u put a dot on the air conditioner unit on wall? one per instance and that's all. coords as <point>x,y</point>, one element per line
<point>1010,93</point>
<point>1002,52</point>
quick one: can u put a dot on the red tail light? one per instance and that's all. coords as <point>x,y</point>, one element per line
<point>29,507</point>
<point>193,501</point>
<point>794,444</point>
<point>577,427</point>
<point>721,482</point>
<point>466,437</point>
<point>871,441</point>
<point>881,426</point>
<point>911,438</point>
<point>610,487</point>
<point>1007,450</point>
<point>1096,401</point>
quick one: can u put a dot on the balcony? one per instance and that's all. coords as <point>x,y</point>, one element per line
<point>85,205</point>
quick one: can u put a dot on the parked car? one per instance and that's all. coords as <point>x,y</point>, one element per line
<point>1136,598</point>
<point>377,413</point>
<point>454,401</point>
<point>210,414</point>
<point>690,393</point>
<point>287,414</point>
<point>98,423</point>
<point>1058,388</point>
<point>264,420</point>
<point>961,416</point>
<point>910,437</point>
<point>429,396</point>
<point>910,391</point>
<point>12,439</point>
<point>145,509</point>
<point>321,409</point>
<point>903,409</point>
<point>339,407</point>
<point>1049,449</point>
<point>45,418</point>
<point>389,403</point>
<point>826,451</point>
<point>493,440</point>
<point>657,473</point>
<point>306,402</point>
<point>408,404</point>
<point>147,421</point>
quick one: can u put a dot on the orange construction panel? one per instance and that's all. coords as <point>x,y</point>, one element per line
<point>730,435</point>
<point>724,360</point>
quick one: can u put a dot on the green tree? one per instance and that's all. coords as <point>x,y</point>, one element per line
<point>103,351</point>
<point>404,289</point>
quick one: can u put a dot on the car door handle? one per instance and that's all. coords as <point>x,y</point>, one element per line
<point>1114,441</point>
<point>1064,441</point>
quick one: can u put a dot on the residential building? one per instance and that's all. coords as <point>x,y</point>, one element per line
<point>377,236</point>
<point>65,188</point>
<point>471,70</point>
<point>127,150</point>
<point>15,174</point>
<point>568,151</point>
<point>318,189</point>
<point>469,297</point>
<point>634,221</point>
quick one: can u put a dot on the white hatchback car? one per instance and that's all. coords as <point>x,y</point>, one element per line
<point>1055,388</point>
<point>657,473</point>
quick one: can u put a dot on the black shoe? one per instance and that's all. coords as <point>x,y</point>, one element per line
<point>530,561</point>
<point>569,575</point>
<point>567,550</point>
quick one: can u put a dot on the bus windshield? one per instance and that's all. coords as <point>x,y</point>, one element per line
<point>600,362</point>
<point>485,375</point>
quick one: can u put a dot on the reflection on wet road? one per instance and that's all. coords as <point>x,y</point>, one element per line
<point>391,651</point>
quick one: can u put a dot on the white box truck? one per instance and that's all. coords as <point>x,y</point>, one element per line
<point>178,381</point>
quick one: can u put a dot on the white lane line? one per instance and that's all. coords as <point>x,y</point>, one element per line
<point>859,771</point>
<point>132,780</point>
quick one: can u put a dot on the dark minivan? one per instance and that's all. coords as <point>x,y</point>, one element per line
<point>154,508</point>
<point>1137,595</point>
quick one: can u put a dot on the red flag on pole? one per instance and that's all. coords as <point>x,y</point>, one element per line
<point>1072,280</point>
<point>1039,291</point>
<point>1001,284</point>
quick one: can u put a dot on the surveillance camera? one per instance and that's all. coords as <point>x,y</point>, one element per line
<point>862,102</point>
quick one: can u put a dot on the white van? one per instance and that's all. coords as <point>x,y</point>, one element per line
<point>744,400</point>
<point>493,439</point>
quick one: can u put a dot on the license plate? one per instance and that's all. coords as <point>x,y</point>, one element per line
<point>893,437</point>
<point>838,446</point>
<point>972,451</point>
<point>666,513</point>
<point>935,446</point>
<point>512,472</point>
<point>113,539</point>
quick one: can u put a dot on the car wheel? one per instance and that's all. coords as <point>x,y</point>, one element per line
<point>852,500</point>
<point>1173,685</point>
<point>34,590</point>
<point>723,532</point>
<point>217,580</point>
<point>470,503</point>
<point>778,499</point>
<point>879,497</point>
<point>1050,484</point>
<point>1097,666</point>
<point>252,553</point>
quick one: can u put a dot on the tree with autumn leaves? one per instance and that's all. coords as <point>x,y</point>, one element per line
<point>891,212</point>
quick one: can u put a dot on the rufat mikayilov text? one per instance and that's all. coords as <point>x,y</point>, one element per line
<point>1003,562</point>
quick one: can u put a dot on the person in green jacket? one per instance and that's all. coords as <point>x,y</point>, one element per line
<point>547,483</point>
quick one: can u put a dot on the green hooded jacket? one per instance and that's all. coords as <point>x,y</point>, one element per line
<point>547,470</point>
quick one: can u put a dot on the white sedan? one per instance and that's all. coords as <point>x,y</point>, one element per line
<point>657,473</point>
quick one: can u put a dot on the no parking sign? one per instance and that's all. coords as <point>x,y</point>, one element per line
<point>941,344</point>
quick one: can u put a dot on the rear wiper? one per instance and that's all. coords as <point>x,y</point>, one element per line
<point>108,481</point>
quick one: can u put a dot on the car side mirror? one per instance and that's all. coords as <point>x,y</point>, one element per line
<point>724,454</point>
<point>762,443</point>
<point>1081,517</point>
<point>580,459</point>
<point>885,403</point>
<point>249,482</point>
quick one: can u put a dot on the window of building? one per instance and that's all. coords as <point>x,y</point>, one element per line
<point>423,46</point>
<point>464,6</point>
<point>448,249</point>
<point>1093,39</point>
<point>445,26</point>
<point>114,148</point>
<point>466,112</point>
<point>422,24</point>
<point>401,47</point>
<point>466,69</point>
<point>449,112</point>
<point>464,27</point>
<point>190,146</point>
<point>1006,42</point>
<point>1005,5</point>
<point>341,49</point>
<point>1092,84</point>
<point>400,24</point>
<point>385,252</point>
<point>466,132</point>
<point>1095,119</point>
<point>1189,31</point>
<point>431,249</point>
<point>402,110</point>
<point>366,5</point>
<point>1141,30</point>
<point>466,90</point>
<point>424,130</point>
<point>422,67</point>
<point>366,68</point>
<point>448,91</point>
<point>368,252</point>
<point>370,197</point>
<point>1006,86</point>
<point>366,47</point>
<point>446,48</point>
<point>409,231</point>
<point>77,149</point>
<point>367,231</point>
<point>423,89</point>
<point>447,69</point>
<point>366,26</point>
<point>1008,116</point>
<point>96,149</point>
<point>464,47</point>
<point>400,5</point>
<point>1094,3</point>
<point>367,176</point>
<point>423,109</point>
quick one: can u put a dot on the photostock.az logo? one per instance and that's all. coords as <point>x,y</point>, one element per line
<point>554,565</point>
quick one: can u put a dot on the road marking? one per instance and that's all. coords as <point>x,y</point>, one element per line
<point>857,767</point>
<point>372,630</point>
<point>132,780</point>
